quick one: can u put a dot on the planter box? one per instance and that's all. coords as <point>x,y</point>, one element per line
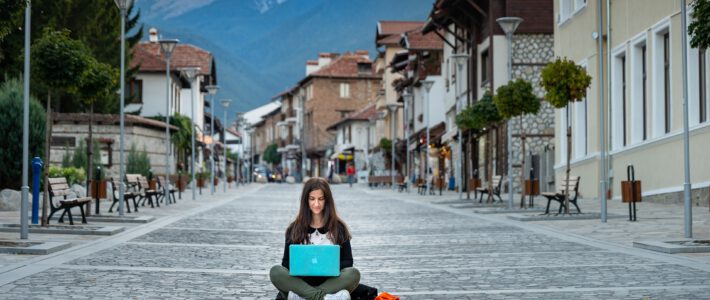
<point>101,190</point>
<point>200,182</point>
<point>153,183</point>
<point>181,184</point>
<point>216,181</point>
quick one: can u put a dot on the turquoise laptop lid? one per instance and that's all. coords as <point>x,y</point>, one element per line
<point>314,260</point>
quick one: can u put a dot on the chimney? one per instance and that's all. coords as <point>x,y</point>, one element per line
<point>153,35</point>
<point>363,53</point>
<point>324,59</point>
<point>311,66</point>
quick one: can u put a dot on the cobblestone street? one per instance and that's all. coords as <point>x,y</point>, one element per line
<point>401,245</point>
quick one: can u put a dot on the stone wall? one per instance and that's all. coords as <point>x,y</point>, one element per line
<point>530,54</point>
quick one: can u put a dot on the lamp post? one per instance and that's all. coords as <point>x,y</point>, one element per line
<point>687,202</point>
<point>123,5</point>
<point>250,131</point>
<point>509,25</point>
<point>393,118</point>
<point>238,168</point>
<point>460,60</point>
<point>191,74</point>
<point>303,136</point>
<point>427,85</point>
<point>407,97</point>
<point>212,90</point>
<point>225,104</point>
<point>24,226</point>
<point>167,47</point>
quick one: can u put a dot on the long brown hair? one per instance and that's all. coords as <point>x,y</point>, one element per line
<point>297,232</point>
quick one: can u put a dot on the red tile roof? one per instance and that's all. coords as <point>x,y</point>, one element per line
<point>387,29</point>
<point>370,111</point>
<point>418,41</point>
<point>148,55</point>
<point>345,65</point>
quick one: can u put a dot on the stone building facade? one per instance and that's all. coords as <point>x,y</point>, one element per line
<point>148,135</point>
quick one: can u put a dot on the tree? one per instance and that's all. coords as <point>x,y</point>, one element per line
<point>479,117</point>
<point>564,82</point>
<point>137,162</point>
<point>517,99</point>
<point>59,62</point>
<point>182,139</point>
<point>271,155</point>
<point>699,28</point>
<point>11,112</point>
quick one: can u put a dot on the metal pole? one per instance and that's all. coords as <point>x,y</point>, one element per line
<point>686,138</point>
<point>303,137</point>
<point>24,226</point>
<point>406,144</point>
<point>393,111</point>
<point>367,150</point>
<point>426,149</point>
<point>167,132</point>
<point>459,173</point>
<point>224,135</point>
<point>122,186</point>
<point>251,152</point>
<point>192,134</point>
<point>510,132</point>
<point>602,124</point>
<point>212,188</point>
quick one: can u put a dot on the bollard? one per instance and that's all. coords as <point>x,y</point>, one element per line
<point>36,172</point>
<point>97,180</point>
<point>179,185</point>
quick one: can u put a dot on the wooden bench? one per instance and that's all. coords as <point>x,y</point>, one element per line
<point>572,187</point>
<point>126,196</point>
<point>492,190</point>
<point>141,186</point>
<point>171,190</point>
<point>58,192</point>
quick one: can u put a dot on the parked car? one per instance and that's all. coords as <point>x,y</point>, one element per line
<point>262,174</point>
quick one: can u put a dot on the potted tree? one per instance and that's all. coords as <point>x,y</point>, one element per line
<point>565,82</point>
<point>516,99</point>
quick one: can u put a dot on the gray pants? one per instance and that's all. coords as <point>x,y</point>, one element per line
<point>348,280</point>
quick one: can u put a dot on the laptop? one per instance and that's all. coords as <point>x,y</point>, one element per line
<point>314,260</point>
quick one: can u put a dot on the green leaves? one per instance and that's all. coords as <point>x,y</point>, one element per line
<point>516,98</point>
<point>59,61</point>
<point>699,28</point>
<point>271,155</point>
<point>11,112</point>
<point>385,143</point>
<point>482,114</point>
<point>98,81</point>
<point>564,81</point>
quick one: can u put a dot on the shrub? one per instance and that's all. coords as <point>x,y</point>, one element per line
<point>73,175</point>
<point>137,162</point>
<point>11,114</point>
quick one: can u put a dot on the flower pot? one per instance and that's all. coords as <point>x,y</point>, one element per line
<point>216,181</point>
<point>200,182</point>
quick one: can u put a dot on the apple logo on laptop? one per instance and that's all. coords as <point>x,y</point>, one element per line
<point>314,260</point>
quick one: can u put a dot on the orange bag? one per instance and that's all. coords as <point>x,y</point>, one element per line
<point>386,296</point>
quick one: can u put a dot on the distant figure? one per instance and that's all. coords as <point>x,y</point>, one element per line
<point>330,174</point>
<point>350,171</point>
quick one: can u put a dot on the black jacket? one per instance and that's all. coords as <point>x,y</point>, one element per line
<point>346,257</point>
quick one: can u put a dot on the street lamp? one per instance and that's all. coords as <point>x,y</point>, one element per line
<point>225,104</point>
<point>250,130</point>
<point>407,97</point>
<point>123,5</point>
<point>190,73</point>
<point>427,85</point>
<point>240,123</point>
<point>460,61</point>
<point>167,47</point>
<point>393,110</point>
<point>212,90</point>
<point>24,226</point>
<point>509,25</point>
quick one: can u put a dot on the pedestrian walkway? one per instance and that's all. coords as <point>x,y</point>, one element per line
<point>223,247</point>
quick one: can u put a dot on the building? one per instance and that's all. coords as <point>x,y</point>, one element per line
<point>354,136</point>
<point>147,90</point>
<point>335,86</point>
<point>469,27</point>
<point>643,103</point>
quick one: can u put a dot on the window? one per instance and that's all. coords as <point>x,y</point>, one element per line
<point>660,87</point>
<point>135,91</point>
<point>569,8</point>
<point>666,83</point>
<point>485,66</point>
<point>309,92</point>
<point>702,80</point>
<point>639,95</point>
<point>344,90</point>
<point>618,99</point>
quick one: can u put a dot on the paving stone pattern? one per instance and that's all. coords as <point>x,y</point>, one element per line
<point>405,248</point>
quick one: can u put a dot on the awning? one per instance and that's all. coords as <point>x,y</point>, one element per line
<point>449,135</point>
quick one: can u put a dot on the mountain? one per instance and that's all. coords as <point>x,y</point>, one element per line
<point>261,46</point>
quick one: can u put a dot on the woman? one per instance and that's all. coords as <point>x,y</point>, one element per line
<point>317,223</point>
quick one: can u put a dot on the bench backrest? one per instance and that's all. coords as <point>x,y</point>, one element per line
<point>59,187</point>
<point>496,181</point>
<point>571,186</point>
